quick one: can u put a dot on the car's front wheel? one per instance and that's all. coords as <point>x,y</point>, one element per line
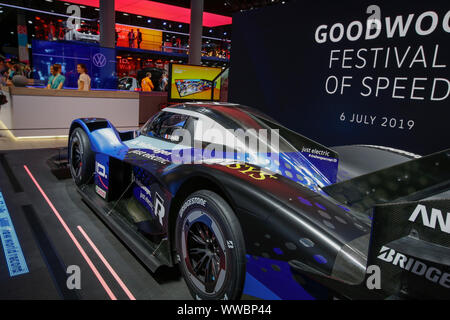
<point>81,157</point>
<point>210,247</point>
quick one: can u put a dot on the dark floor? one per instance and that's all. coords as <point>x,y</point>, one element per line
<point>49,250</point>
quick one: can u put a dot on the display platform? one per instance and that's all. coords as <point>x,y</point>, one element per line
<point>47,230</point>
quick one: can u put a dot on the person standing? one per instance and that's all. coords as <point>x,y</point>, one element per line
<point>146,83</point>
<point>51,77</point>
<point>131,38</point>
<point>84,81</point>
<point>56,80</point>
<point>163,83</point>
<point>11,70</point>
<point>51,31</point>
<point>139,38</point>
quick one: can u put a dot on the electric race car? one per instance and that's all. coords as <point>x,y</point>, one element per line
<point>282,218</point>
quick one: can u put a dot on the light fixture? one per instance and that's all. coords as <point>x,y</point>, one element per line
<point>149,20</point>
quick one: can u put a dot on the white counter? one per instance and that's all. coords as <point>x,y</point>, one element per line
<point>32,112</point>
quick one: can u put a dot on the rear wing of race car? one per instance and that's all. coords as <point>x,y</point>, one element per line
<point>410,243</point>
<point>410,238</point>
<point>408,181</point>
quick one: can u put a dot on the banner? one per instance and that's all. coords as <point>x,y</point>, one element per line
<point>348,72</point>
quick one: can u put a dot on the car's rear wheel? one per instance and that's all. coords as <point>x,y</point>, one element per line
<point>81,157</point>
<point>210,247</point>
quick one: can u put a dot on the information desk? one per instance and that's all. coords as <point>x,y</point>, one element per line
<point>34,112</point>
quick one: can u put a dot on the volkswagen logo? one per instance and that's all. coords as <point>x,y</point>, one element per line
<point>99,60</point>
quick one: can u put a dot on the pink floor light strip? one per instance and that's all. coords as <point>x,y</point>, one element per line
<point>75,241</point>
<point>106,263</point>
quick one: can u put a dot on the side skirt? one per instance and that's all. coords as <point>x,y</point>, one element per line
<point>152,255</point>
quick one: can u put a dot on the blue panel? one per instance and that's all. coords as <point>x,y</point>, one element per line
<point>254,288</point>
<point>100,62</point>
<point>277,277</point>
<point>11,246</point>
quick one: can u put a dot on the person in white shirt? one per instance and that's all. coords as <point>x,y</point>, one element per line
<point>84,81</point>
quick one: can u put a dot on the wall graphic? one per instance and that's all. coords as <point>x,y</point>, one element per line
<point>349,72</point>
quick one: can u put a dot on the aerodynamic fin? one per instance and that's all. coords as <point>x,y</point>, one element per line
<point>408,181</point>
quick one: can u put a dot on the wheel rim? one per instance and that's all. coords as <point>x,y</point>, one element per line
<point>77,159</point>
<point>205,254</point>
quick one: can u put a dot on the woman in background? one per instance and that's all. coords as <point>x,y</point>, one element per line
<point>164,81</point>
<point>56,80</point>
<point>84,81</point>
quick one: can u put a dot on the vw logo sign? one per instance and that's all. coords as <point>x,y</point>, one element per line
<point>99,60</point>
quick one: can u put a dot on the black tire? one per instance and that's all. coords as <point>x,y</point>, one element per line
<point>81,157</point>
<point>207,230</point>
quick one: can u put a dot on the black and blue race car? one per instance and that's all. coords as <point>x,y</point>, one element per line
<point>296,221</point>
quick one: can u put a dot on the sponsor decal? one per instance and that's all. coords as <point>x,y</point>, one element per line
<point>146,199</point>
<point>190,202</point>
<point>417,267</point>
<point>100,170</point>
<point>172,137</point>
<point>100,192</point>
<point>143,194</point>
<point>429,220</point>
<point>160,211</point>
<point>252,172</point>
<point>149,156</point>
<point>144,145</point>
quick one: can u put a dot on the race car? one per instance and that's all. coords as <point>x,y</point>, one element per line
<point>249,208</point>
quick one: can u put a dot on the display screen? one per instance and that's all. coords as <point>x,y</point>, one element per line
<point>188,82</point>
<point>100,63</point>
<point>128,37</point>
